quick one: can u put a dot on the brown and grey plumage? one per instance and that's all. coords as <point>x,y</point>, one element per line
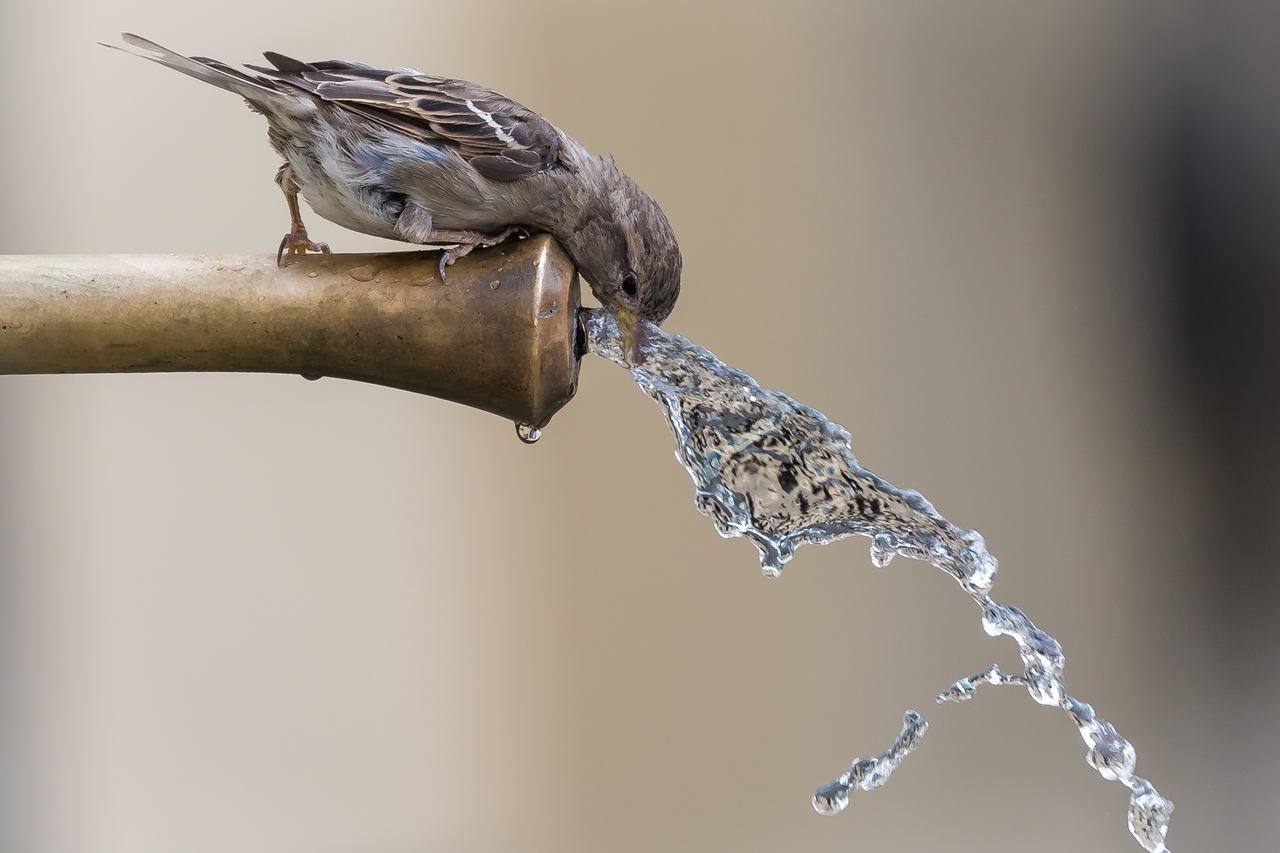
<point>436,161</point>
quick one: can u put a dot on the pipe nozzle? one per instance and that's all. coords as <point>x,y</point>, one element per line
<point>501,333</point>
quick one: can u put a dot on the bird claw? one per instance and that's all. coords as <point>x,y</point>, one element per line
<point>448,256</point>
<point>297,243</point>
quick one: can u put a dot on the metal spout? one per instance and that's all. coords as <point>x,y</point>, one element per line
<point>500,334</point>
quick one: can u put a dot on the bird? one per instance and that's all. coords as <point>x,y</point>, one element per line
<point>438,161</point>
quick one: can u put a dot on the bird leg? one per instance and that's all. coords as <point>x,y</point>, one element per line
<point>467,241</point>
<point>415,225</point>
<point>296,241</point>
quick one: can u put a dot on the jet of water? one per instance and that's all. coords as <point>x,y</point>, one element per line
<point>781,474</point>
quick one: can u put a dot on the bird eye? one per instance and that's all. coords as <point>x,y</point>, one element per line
<point>630,283</point>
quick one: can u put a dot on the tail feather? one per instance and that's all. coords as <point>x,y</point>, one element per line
<point>254,90</point>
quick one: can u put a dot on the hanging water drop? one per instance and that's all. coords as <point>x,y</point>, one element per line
<point>528,434</point>
<point>881,550</point>
<point>832,798</point>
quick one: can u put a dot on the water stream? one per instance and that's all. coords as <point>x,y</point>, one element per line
<point>781,474</point>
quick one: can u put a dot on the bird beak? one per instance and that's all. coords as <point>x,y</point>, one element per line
<point>629,325</point>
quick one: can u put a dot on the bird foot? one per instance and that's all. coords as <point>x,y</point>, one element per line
<point>465,248</point>
<point>297,243</point>
<point>448,256</point>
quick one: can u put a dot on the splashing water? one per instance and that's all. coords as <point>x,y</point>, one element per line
<point>781,474</point>
<point>869,773</point>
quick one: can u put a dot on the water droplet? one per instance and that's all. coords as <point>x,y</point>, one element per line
<point>1149,815</point>
<point>831,798</point>
<point>771,562</point>
<point>962,691</point>
<point>1044,686</point>
<point>1081,712</point>
<point>867,773</point>
<point>882,552</point>
<point>528,434</point>
<point>1111,755</point>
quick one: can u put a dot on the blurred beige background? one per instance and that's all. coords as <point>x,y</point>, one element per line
<point>255,613</point>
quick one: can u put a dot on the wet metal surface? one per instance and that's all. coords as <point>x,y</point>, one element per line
<point>499,334</point>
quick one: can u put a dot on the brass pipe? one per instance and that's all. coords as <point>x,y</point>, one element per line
<point>499,334</point>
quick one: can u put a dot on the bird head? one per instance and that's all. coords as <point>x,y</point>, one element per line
<point>625,248</point>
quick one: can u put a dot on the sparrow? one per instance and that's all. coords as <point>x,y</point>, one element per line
<point>437,161</point>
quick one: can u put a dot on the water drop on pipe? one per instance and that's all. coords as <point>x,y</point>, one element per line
<point>528,434</point>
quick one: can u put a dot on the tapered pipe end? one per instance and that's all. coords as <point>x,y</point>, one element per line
<point>499,333</point>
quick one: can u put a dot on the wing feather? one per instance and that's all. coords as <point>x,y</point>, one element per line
<point>513,140</point>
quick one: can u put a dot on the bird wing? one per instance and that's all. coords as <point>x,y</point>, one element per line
<point>501,139</point>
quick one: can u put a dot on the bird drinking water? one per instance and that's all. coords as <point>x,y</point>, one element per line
<point>436,161</point>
